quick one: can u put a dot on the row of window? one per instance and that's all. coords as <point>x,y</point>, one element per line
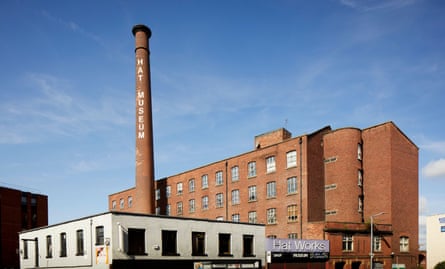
<point>271,213</point>
<point>80,243</point>
<point>291,158</point>
<point>122,203</point>
<point>136,243</point>
<point>348,243</point>
<point>271,192</point>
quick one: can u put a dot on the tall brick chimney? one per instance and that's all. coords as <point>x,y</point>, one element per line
<point>144,200</point>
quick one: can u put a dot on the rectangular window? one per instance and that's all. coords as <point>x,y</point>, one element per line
<point>360,177</point>
<point>292,236</point>
<point>49,246</point>
<point>404,244</point>
<point>270,164</point>
<point>169,243</point>
<point>251,169</point>
<point>219,178</point>
<point>136,241</point>
<point>347,242</point>
<point>224,245</point>
<point>359,152</point>
<point>271,216</point>
<point>179,208</point>
<point>252,193</point>
<point>248,246</point>
<point>235,218</point>
<point>179,188</point>
<point>192,185</point>
<point>235,173</point>
<point>204,181</point>
<point>205,202</point>
<point>130,201</point>
<point>80,247</point>
<point>63,245</point>
<point>271,189</point>
<point>219,200</point>
<point>168,191</point>
<point>25,249</point>
<point>168,210</point>
<point>292,215</point>
<point>360,203</point>
<point>121,203</point>
<point>192,205</point>
<point>99,235</point>
<point>291,158</point>
<point>198,244</point>
<point>158,194</point>
<point>252,217</point>
<point>113,204</point>
<point>235,197</point>
<point>377,243</point>
<point>292,185</point>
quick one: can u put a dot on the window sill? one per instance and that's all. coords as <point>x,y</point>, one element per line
<point>225,255</point>
<point>171,254</point>
<point>137,254</point>
<point>200,254</point>
<point>249,256</point>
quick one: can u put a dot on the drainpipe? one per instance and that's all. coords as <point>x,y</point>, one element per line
<point>301,188</point>
<point>227,192</point>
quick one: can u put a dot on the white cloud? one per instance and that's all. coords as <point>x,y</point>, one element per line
<point>434,146</point>
<point>435,168</point>
<point>371,5</point>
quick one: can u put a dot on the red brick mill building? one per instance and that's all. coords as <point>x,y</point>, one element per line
<point>327,185</point>
<point>324,185</point>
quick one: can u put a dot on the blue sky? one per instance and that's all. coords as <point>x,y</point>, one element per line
<point>222,72</point>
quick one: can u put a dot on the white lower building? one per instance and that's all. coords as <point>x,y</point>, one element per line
<point>125,240</point>
<point>435,240</point>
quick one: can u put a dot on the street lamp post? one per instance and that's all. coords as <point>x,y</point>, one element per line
<point>371,254</point>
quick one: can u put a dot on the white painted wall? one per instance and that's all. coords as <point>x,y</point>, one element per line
<point>114,226</point>
<point>435,240</point>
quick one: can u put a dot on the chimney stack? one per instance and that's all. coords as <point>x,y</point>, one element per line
<point>144,200</point>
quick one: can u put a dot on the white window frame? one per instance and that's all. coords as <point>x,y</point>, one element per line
<point>219,178</point>
<point>219,200</point>
<point>271,189</point>
<point>291,159</point>
<point>270,164</point>
<point>192,185</point>
<point>179,188</point>
<point>235,197</point>
<point>235,173</point>
<point>205,202</point>
<point>271,216</point>
<point>252,193</point>
<point>192,205</point>
<point>292,186</point>
<point>204,181</point>
<point>404,244</point>
<point>251,169</point>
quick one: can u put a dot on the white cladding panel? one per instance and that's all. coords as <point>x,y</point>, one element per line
<point>70,229</point>
<point>435,240</point>
<point>115,243</point>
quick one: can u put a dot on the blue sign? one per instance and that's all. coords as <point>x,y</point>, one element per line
<point>442,229</point>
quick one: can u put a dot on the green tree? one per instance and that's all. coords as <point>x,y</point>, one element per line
<point>440,265</point>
